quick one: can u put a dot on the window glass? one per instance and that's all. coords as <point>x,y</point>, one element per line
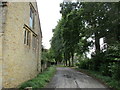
<point>32,17</point>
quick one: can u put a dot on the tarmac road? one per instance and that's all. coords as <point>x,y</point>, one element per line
<point>66,77</point>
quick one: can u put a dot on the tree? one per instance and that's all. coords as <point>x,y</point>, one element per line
<point>70,30</point>
<point>57,42</point>
<point>81,21</point>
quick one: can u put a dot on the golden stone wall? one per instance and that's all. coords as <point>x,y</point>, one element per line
<point>2,19</point>
<point>20,62</point>
<point>1,59</point>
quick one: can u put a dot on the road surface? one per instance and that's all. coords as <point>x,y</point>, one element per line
<point>69,78</point>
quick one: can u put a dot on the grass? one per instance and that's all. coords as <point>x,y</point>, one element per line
<point>109,81</point>
<point>41,80</point>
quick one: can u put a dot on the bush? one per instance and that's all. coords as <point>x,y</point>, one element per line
<point>84,64</point>
<point>113,54</point>
<point>105,69</point>
<point>97,61</point>
<point>116,71</point>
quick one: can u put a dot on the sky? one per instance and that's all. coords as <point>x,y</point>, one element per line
<point>49,15</point>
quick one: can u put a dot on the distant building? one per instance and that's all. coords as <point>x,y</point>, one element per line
<point>103,46</point>
<point>20,43</point>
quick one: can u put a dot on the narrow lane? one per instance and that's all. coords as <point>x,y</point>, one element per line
<point>69,78</point>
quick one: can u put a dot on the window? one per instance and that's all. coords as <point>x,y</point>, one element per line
<point>32,17</point>
<point>27,37</point>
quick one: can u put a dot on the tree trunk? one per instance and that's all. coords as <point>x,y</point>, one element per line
<point>72,59</point>
<point>66,62</point>
<point>63,62</point>
<point>97,43</point>
<point>56,62</point>
<point>69,59</point>
<point>69,62</point>
<point>65,58</point>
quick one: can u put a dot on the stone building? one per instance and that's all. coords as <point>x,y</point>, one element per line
<point>20,43</point>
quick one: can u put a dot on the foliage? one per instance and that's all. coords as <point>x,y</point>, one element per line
<point>105,69</point>
<point>41,80</point>
<point>44,57</point>
<point>57,42</point>
<point>84,64</point>
<point>113,51</point>
<point>113,54</point>
<point>66,33</point>
<point>47,56</point>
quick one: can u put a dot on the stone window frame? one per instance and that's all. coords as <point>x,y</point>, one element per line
<point>25,35</point>
<point>28,36</point>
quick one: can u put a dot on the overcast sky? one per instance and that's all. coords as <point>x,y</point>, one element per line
<point>49,15</point>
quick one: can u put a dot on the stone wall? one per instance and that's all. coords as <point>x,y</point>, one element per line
<point>1,60</point>
<point>20,62</point>
<point>2,21</point>
<point>0,49</point>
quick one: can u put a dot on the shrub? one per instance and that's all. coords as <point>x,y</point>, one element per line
<point>105,69</point>
<point>97,61</point>
<point>116,71</point>
<point>84,64</point>
<point>113,55</point>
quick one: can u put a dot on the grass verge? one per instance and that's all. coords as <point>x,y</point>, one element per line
<point>106,80</point>
<point>41,80</point>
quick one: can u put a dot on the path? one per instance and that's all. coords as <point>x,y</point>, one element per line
<point>69,78</point>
